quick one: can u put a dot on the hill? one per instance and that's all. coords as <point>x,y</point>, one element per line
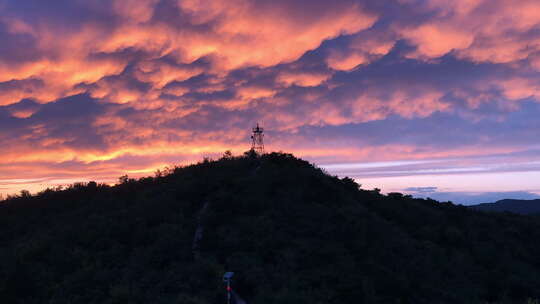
<point>511,205</point>
<point>290,232</point>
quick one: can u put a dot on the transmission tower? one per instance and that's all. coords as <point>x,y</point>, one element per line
<point>257,143</point>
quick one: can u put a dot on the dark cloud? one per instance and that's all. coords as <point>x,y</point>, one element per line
<point>421,189</point>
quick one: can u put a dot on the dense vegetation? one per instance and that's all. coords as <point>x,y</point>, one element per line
<point>292,234</point>
<point>511,205</point>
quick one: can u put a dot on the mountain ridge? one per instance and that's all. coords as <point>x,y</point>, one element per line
<point>291,233</point>
<point>511,205</point>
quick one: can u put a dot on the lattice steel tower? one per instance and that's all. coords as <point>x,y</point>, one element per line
<point>257,143</point>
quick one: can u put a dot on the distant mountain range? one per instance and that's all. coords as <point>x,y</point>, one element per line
<point>511,205</point>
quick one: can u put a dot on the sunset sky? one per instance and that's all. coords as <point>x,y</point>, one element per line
<point>434,98</point>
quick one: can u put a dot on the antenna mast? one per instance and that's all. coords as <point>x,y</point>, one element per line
<point>257,143</point>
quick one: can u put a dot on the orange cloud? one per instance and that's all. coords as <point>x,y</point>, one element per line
<point>520,88</point>
<point>496,31</point>
<point>23,113</point>
<point>363,49</point>
<point>135,10</point>
<point>161,74</point>
<point>254,92</point>
<point>303,79</point>
<point>249,35</point>
<point>345,62</point>
<point>59,79</point>
<point>239,34</point>
<point>435,40</point>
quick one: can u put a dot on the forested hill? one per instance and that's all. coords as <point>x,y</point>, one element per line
<point>511,205</point>
<point>290,232</point>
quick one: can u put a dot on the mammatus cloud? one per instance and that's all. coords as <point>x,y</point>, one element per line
<point>484,31</point>
<point>99,88</point>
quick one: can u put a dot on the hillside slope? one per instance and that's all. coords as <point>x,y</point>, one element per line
<point>511,205</point>
<point>290,232</point>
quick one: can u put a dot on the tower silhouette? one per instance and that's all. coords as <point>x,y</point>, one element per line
<point>257,143</point>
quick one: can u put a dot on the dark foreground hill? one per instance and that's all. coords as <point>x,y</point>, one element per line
<point>290,232</point>
<point>511,205</point>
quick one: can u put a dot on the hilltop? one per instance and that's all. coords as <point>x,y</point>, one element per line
<point>291,233</point>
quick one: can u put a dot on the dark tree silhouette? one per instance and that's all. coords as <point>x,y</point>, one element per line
<point>290,232</point>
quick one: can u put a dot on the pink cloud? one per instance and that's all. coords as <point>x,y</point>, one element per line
<point>362,48</point>
<point>304,79</point>
<point>497,31</point>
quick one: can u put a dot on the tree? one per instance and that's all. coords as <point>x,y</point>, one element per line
<point>123,179</point>
<point>227,155</point>
<point>25,194</point>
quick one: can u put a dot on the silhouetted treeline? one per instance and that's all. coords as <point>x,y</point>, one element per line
<point>290,232</point>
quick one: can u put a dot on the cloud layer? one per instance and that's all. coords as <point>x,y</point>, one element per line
<point>94,89</point>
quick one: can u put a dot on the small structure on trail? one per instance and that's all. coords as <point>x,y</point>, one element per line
<point>232,297</point>
<point>227,279</point>
<point>257,143</point>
